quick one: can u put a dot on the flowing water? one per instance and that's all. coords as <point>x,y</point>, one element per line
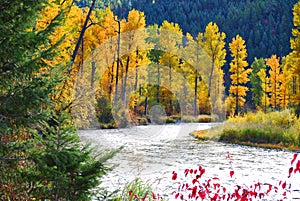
<point>153,152</point>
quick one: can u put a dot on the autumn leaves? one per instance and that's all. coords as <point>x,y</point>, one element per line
<point>137,66</point>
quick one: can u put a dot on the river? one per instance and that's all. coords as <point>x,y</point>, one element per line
<point>153,152</point>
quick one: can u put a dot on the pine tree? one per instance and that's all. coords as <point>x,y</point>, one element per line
<point>239,72</point>
<point>265,80</point>
<point>295,54</point>
<point>256,82</point>
<point>31,134</point>
<point>25,90</point>
<point>66,169</point>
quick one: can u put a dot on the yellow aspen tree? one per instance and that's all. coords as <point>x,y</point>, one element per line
<point>203,99</point>
<point>170,40</point>
<point>285,79</point>
<point>190,69</point>
<point>213,42</point>
<point>295,54</point>
<point>274,85</point>
<point>265,100</point>
<point>107,54</point>
<point>230,106</point>
<point>239,72</point>
<point>133,39</point>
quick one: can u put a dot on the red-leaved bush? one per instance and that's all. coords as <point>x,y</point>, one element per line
<point>198,188</point>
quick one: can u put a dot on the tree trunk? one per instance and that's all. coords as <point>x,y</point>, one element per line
<point>118,62</point>
<point>158,84</point>
<point>265,108</point>
<point>111,70</point>
<point>81,35</point>
<point>211,76</point>
<point>125,82</point>
<point>236,112</point>
<point>82,54</point>
<point>195,93</point>
<point>146,105</point>
<point>136,70</point>
<point>170,88</point>
<point>93,74</point>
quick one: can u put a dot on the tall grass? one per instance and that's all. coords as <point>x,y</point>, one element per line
<point>137,190</point>
<point>277,128</point>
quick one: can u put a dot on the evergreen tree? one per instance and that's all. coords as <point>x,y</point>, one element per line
<point>40,154</point>
<point>25,91</point>
<point>295,54</point>
<point>265,80</point>
<point>65,169</point>
<point>256,82</point>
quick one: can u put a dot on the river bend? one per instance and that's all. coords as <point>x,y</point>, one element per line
<point>153,152</point>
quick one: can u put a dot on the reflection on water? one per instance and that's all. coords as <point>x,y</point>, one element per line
<point>153,152</point>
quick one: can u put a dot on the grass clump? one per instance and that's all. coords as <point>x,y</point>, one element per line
<point>199,119</point>
<point>280,128</point>
<point>137,190</point>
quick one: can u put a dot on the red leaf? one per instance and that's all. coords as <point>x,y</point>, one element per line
<point>269,190</point>
<point>215,197</point>
<point>194,181</point>
<point>224,189</point>
<point>202,194</point>
<point>294,158</point>
<point>202,171</point>
<point>297,167</point>
<point>174,177</point>
<point>153,196</point>
<point>258,185</point>
<point>284,185</point>
<point>261,195</point>
<point>231,173</point>
<point>194,191</point>
<point>176,196</point>
<point>186,171</point>
<point>228,155</point>
<point>143,199</point>
<point>290,171</point>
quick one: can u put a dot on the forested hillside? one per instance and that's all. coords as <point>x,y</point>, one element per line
<point>264,24</point>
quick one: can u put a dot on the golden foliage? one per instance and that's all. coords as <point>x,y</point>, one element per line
<point>239,71</point>
<point>274,85</point>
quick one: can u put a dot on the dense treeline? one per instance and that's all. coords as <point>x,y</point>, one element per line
<point>252,22</point>
<point>265,25</point>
